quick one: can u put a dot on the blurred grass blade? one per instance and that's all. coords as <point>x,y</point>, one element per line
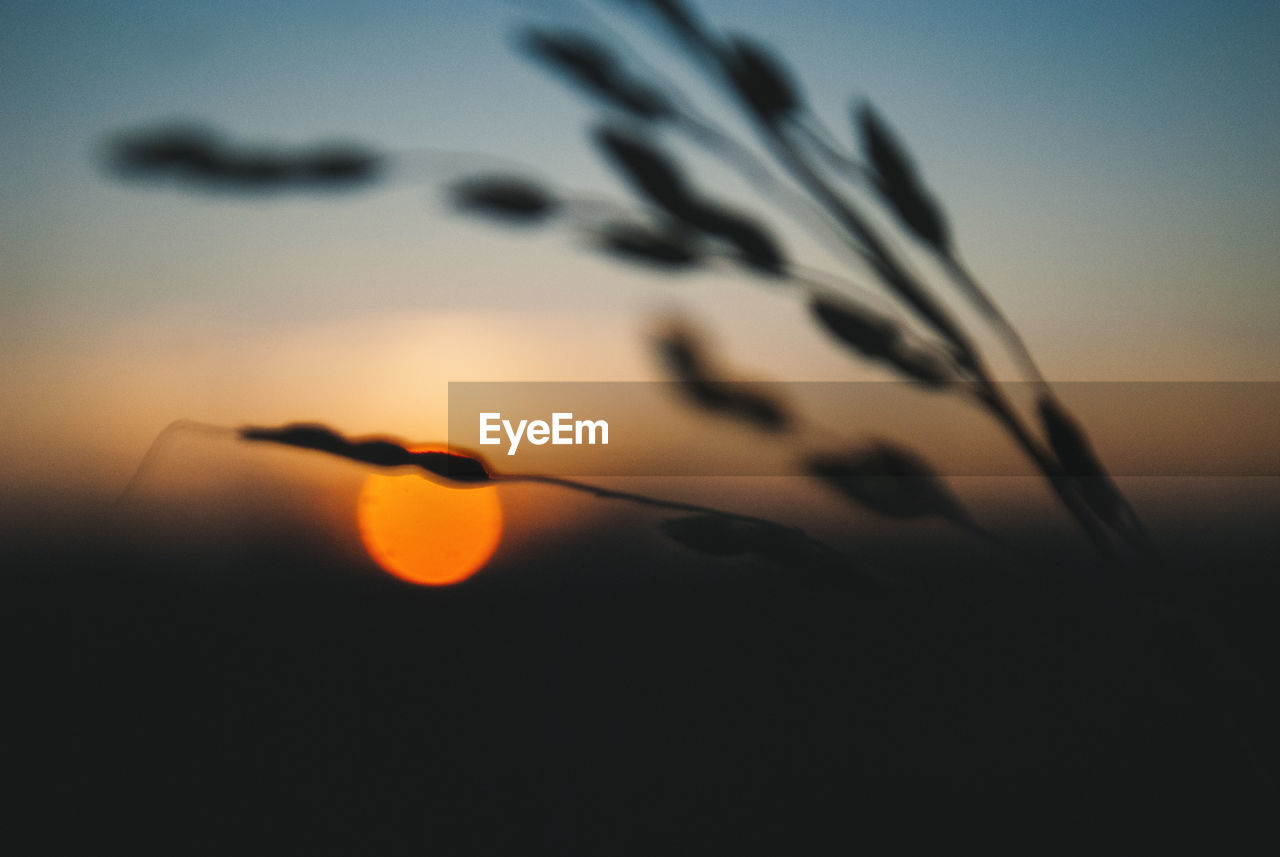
<point>196,156</point>
<point>891,481</point>
<point>649,245</point>
<point>739,402</point>
<point>760,79</point>
<point>898,182</point>
<point>755,245</point>
<point>879,338</point>
<point>679,17</point>
<point>508,198</point>
<point>867,332</point>
<point>684,357</point>
<point>715,535</point>
<point>378,452</point>
<point>1076,455</point>
<point>590,64</point>
<point>171,150</point>
<point>337,164</point>
<point>649,170</point>
<point>657,177</point>
<point>922,367</point>
<point>682,353</point>
<point>783,546</point>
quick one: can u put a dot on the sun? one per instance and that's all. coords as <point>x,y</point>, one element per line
<point>426,533</point>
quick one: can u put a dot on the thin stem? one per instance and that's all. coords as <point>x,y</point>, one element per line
<point>989,393</point>
<point>638,499</point>
<point>817,135</point>
<point>860,236</point>
<point>830,555</point>
<point>994,401</point>
<point>861,233</point>
<point>502,478</point>
<point>158,443</point>
<point>1131,527</point>
<point>989,308</point>
<point>738,156</point>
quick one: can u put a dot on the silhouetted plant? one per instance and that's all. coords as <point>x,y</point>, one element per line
<point>828,186</point>
<point>942,354</point>
<point>506,198</point>
<point>892,481</point>
<point>198,157</point>
<point>686,360</point>
<point>709,530</point>
<point>659,246</point>
<point>379,452</point>
<point>902,325</point>
<point>706,530</point>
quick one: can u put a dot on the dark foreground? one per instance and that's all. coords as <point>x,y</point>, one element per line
<point>262,701</point>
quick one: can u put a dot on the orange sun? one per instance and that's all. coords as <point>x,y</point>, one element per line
<point>427,533</point>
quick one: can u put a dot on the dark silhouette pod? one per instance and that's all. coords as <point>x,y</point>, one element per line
<point>889,480</point>
<point>378,452</point>
<point>1074,452</point>
<point>507,198</point>
<point>898,182</point>
<point>591,65</point>
<point>656,246</point>
<point>759,78</point>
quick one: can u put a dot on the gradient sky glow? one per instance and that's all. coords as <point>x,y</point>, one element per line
<point>1111,170</point>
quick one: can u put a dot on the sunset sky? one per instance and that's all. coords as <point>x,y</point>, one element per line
<point>726,632</point>
<point>1109,168</point>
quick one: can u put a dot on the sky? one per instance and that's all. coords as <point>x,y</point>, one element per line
<point>1109,168</point>
<point>205,651</point>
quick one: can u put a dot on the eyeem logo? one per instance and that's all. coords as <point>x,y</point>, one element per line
<point>562,430</point>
